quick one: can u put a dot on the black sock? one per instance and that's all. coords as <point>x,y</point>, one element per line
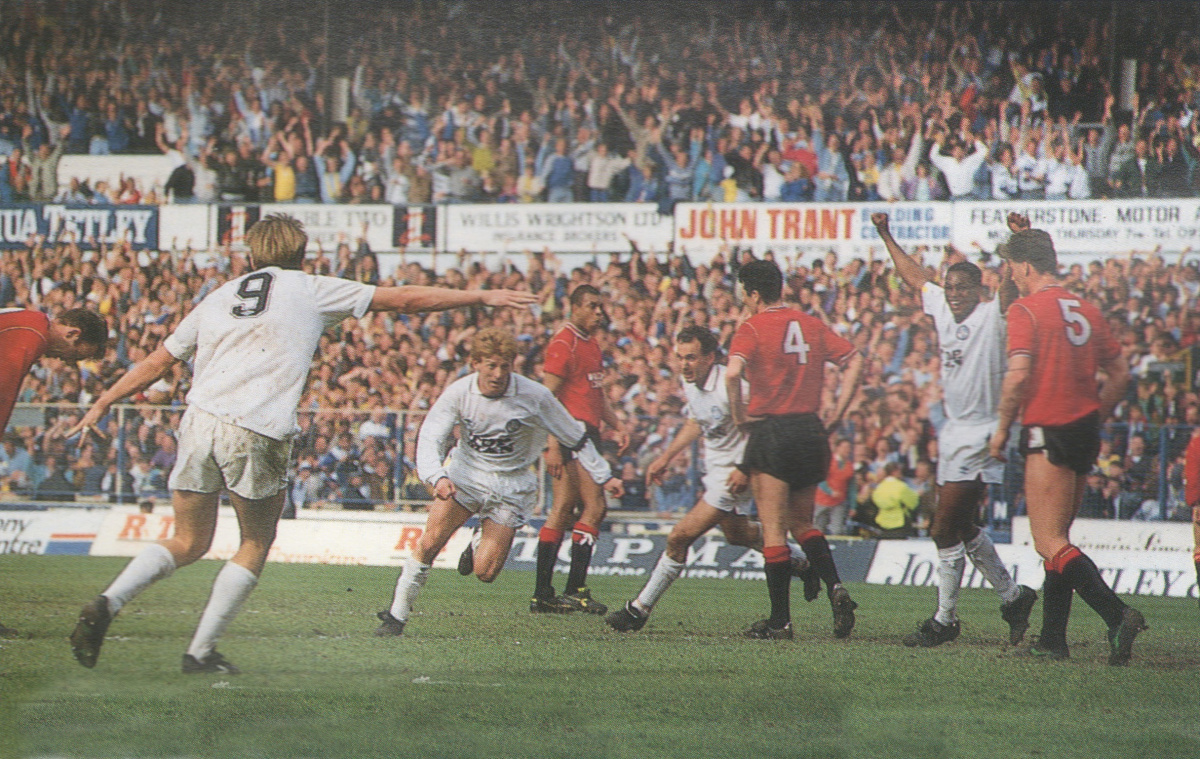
<point>581,559</point>
<point>816,548</point>
<point>1056,609</point>
<point>1085,578</point>
<point>779,585</point>
<point>547,555</point>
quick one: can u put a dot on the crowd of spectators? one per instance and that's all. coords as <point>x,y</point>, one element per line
<point>469,101</point>
<point>355,450</point>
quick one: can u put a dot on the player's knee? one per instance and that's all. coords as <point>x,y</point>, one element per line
<point>487,573</point>
<point>679,541</point>
<point>187,550</point>
<point>945,535</point>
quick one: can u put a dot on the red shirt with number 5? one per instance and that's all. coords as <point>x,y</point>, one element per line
<point>785,351</point>
<point>1068,340</point>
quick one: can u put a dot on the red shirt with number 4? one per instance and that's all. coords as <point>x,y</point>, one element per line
<point>1068,340</point>
<point>785,351</point>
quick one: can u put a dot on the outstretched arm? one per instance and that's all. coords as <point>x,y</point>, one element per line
<point>909,270</point>
<point>410,299</point>
<point>141,376</point>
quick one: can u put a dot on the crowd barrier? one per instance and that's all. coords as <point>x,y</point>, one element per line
<point>798,232</point>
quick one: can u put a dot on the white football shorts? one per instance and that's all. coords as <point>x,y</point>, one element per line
<point>963,454</point>
<point>717,495</point>
<point>506,498</point>
<point>215,455</point>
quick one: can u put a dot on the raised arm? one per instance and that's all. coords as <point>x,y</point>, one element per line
<point>909,270</point>
<point>410,299</point>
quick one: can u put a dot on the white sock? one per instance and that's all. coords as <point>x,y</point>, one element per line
<point>408,585</point>
<point>951,563</point>
<point>983,555</point>
<point>154,563</point>
<point>229,591</point>
<point>666,571</point>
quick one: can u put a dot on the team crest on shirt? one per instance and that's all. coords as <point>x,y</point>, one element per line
<point>963,332</point>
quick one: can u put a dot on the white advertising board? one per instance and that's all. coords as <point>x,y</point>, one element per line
<point>561,227</point>
<point>54,531</point>
<point>1082,228</point>
<point>125,531</point>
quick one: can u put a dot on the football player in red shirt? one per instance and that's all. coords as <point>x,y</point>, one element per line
<point>574,372</point>
<point>1191,492</point>
<point>782,353</point>
<point>1056,343</point>
<point>26,336</point>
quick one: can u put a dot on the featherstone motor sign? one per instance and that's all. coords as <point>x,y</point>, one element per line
<point>561,227</point>
<point>1088,227</point>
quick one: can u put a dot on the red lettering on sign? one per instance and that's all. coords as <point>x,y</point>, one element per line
<point>134,523</point>
<point>408,538</point>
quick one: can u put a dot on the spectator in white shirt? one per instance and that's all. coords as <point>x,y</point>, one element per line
<point>959,167</point>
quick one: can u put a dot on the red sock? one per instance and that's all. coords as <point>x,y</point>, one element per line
<point>584,533</point>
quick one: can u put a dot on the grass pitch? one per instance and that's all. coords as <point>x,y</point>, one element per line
<point>477,676</point>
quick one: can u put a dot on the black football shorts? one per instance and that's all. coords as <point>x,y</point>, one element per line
<point>793,448</point>
<point>1074,445</point>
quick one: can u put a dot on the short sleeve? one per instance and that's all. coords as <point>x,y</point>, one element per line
<point>558,359</point>
<point>337,299</point>
<point>744,341</point>
<point>838,349</point>
<point>182,342</point>
<point>1021,339</point>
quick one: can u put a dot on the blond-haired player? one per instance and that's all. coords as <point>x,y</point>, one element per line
<point>504,420</point>
<point>251,343</point>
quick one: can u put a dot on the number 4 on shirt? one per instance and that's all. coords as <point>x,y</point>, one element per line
<point>793,342</point>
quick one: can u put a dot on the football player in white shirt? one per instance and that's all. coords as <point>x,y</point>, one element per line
<point>726,498</point>
<point>971,338</point>
<point>503,420</point>
<point>251,342</point>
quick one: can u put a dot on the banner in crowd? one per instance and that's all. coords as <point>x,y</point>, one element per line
<point>794,228</point>
<point>561,227</point>
<point>327,224</point>
<point>84,225</point>
<point>1085,226</point>
<point>50,531</point>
